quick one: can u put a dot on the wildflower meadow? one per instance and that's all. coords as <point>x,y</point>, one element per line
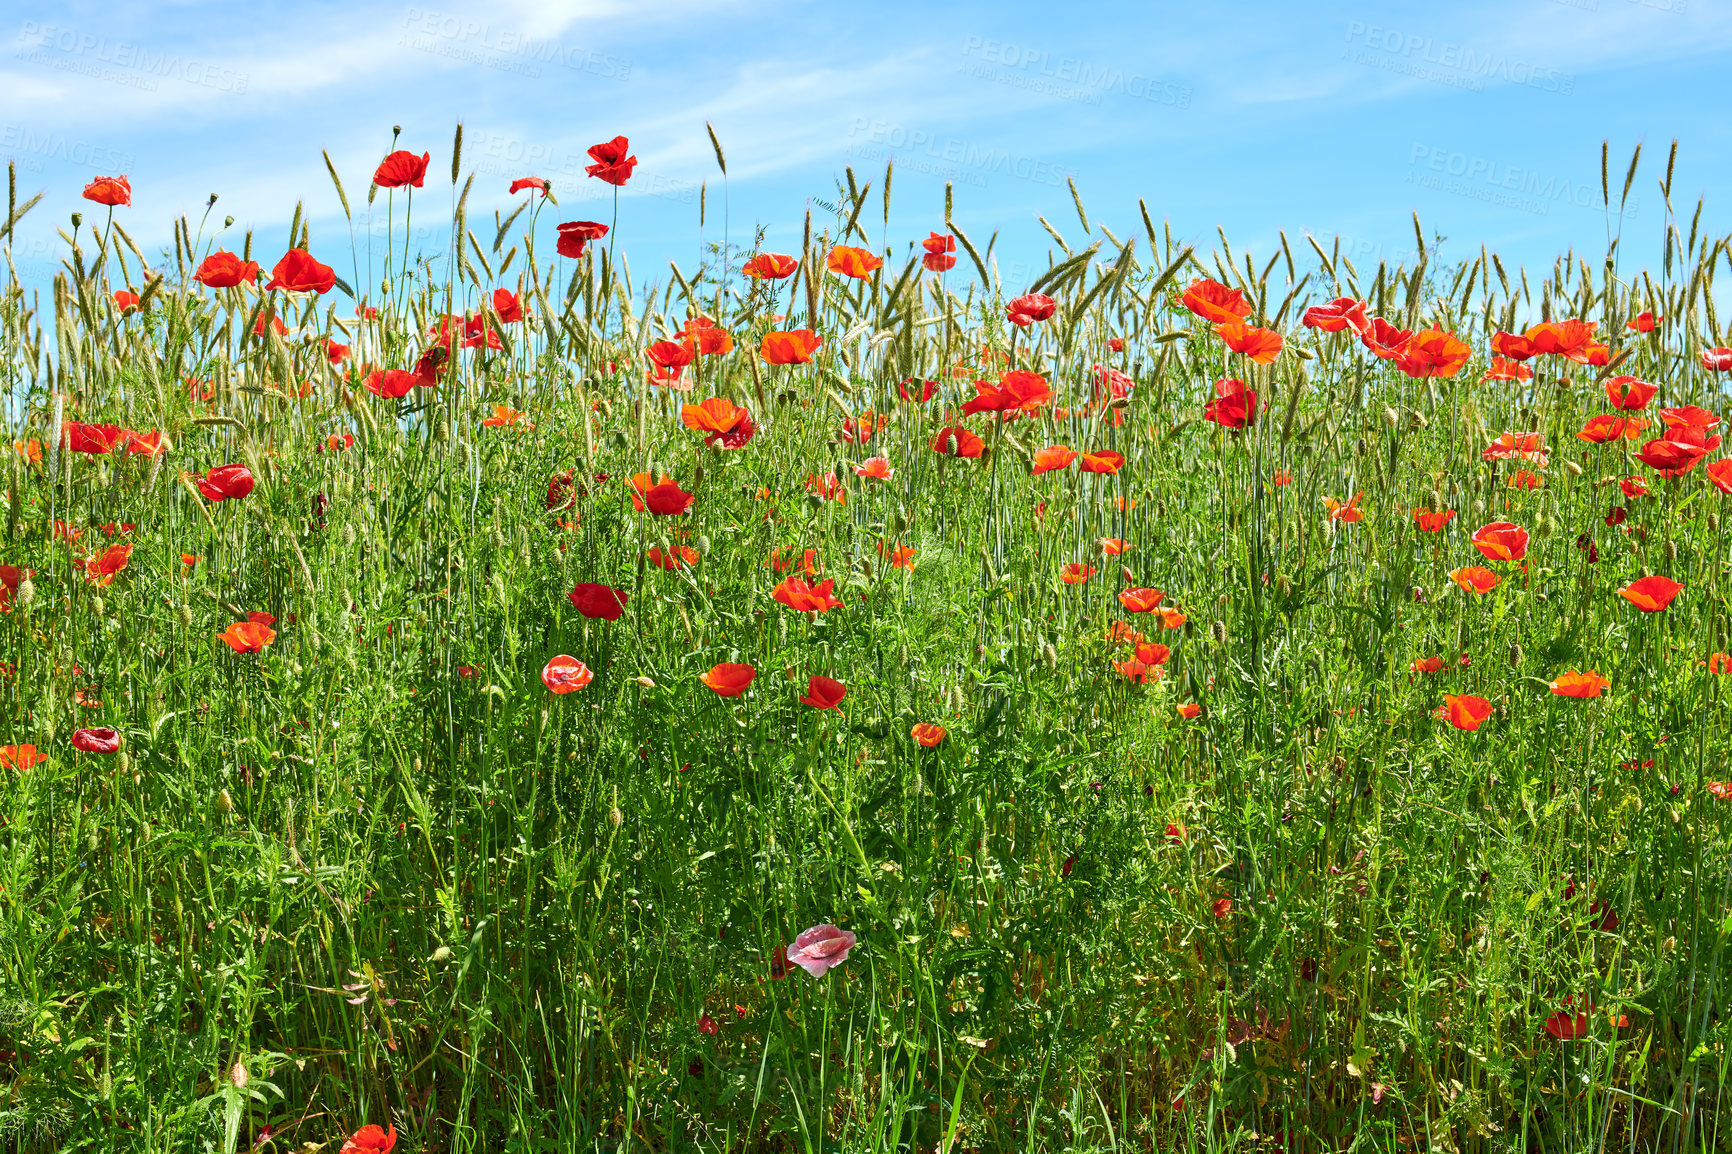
<point>837,700</point>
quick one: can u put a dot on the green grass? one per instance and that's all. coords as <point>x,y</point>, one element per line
<point>495,917</point>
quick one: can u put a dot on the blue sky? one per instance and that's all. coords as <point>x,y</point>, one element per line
<point>1340,119</point>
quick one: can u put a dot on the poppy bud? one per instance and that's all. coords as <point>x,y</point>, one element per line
<point>92,843</point>
<point>1713,527</point>
<point>225,803</point>
<point>703,546</point>
<point>1671,551</point>
<point>442,954</point>
<point>1572,468</point>
<point>1515,656</point>
<point>645,682</point>
<point>97,606</point>
<point>615,816</point>
<point>1390,416</point>
<point>1219,629</point>
<point>26,593</point>
<point>1436,500</point>
<point>238,1075</point>
<point>1478,507</point>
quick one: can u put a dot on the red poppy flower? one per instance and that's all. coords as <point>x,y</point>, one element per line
<point>1567,338</point>
<point>1189,710</point>
<point>720,420</point>
<point>1426,664</point>
<point>599,601</point>
<point>664,499</point>
<point>1016,391</point>
<point>1464,711</point>
<point>1348,513</point>
<point>676,557</point>
<point>1140,600</point>
<point>1234,406</point>
<point>770,266</point>
<point>1634,487</point>
<point>1565,1026</point>
<point>1215,302</point>
<point>1051,459</point>
<point>902,557</point>
<point>938,262</point>
<point>83,438</point>
<point>1629,393</point>
<point>99,740</point>
<point>1605,428</point>
<point>729,679</point>
<point>1720,474</point>
<point>939,242</point>
<point>101,569</point>
<point>400,168</point>
<point>574,234</point>
<point>1717,360</point>
<point>1261,345</point>
<point>1076,573</point>
<point>1720,663</point>
<point>671,354</point>
<point>920,394</point>
<point>1644,322</point>
<point>391,383</point>
<point>852,261</point>
<point>1384,339</point>
<point>1222,908</point>
<point>1433,353</point>
<point>1137,672</point>
<point>1102,461</point>
<point>507,307</point>
<point>225,482</point>
<point>1030,307</point>
<point>1432,522</point>
<point>797,594</point>
<point>789,348</point>
<point>1475,579</point>
<point>709,340</point>
<point>611,162</point>
<point>530,182</point>
<point>1573,684</point>
<point>248,636</point>
<point>21,756</point>
<point>1691,417</point>
<point>824,693</point>
<point>370,1140</point>
<point>1678,452</point>
<point>112,191</point>
<point>1501,541</point>
<point>1504,369</point>
<point>1514,346</point>
<point>875,468</point>
<point>1528,447</point>
<point>927,734</point>
<point>565,674</point>
<point>957,440</point>
<point>1338,314</point>
<point>125,301</point>
<point>298,272</point>
<point>1651,594</point>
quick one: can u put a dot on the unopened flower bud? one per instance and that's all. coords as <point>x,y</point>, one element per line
<point>1515,656</point>
<point>185,614</point>
<point>98,606</point>
<point>1572,468</point>
<point>1390,416</point>
<point>1671,550</point>
<point>646,682</point>
<point>224,802</point>
<point>1219,629</point>
<point>442,954</point>
<point>238,1075</point>
<point>26,593</point>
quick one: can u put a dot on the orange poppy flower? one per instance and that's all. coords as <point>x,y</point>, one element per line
<point>370,1139</point>
<point>902,557</point>
<point>719,419</point>
<point>927,734</point>
<point>1215,302</point>
<point>826,487</point>
<point>1385,341</point>
<point>1504,369</point>
<point>669,355</point>
<point>1605,427</point>
<point>789,348</point>
<point>851,261</point>
<point>1573,684</point>
<point>506,417</point>
<point>729,679</point>
<point>1474,579</point>
<point>796,594</point>
<point>1137,672</point>
<point>1076,573</point>
<point>1432,522</point>
<point>664,499</point>
<point>875,468</point>
<point>565,674</point>
<point>1103,461</point>
<point>674,558</point>
<point>824,693</point>
<point>1465,711</point>
<point>1720,474</point>
<point>1189,710</point>
<point>1261,345</point>
<point>1513,346</point>
<point>248,636</point>
<point>21,756</point>
<point>1051,459</point>
<point>1524,479</point>
<point>702,334</point>
<point>1222,907</point>
<point>770,266</point>
<point>1501,541</point>
<point>1566,338</point>
<point>1111,546</point>
<point>1016,391</point>
<point>809,564</point>
<point>1140,600</point>
<point>1338,314</point>
<point>1281,477</point>
<point>1433,353</point>
<point>1348,513</point>
<point>1629,393</point>
<point>1651,594</point>
<point>100,570</point>
<point>1517,446</point>
<point>957,440</point>
<point>1426,664</point>
<point>1234,406</point>
<point>1152,653</point>
<point>1172,618</point>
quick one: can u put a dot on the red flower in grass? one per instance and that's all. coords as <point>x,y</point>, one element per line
<point>797,594</point>
<point>1572,338</point>
<point>391,383</point>
<point>1566,1026</point>
<point>574,234</point>
<point>1644,322</point>
<point>1016,391</point>
<point>1385,340</point>
<point>676,557</point>
<point>1433,353</point>
<point>1234,406</point>
<point>21,756</point>
<point>1051,459</point>
<point>1340,313</point>
<point>534,183</point>
<point>225,483</point>
<point>852,261</point>
<point>1030,307</point>
<point>112,191</point>
<point>927,734</point>
<point>226,270</point>
<point>1261,345</point>
<point>1141,600</point>
<point>1629,393</point>
<point>1530,447</point>
<point>789,348</point>
<point>298,272</point>
<point>370,1140</point>
<point>664,499</point>
<point>1215,302</point>
<point>1574,684</point>
<point>402,168</point>
<point>565,674</point>
<point>599,601</point>
<point>1651,594</point>
<point>1102,461</point>
<point>248,636</point>
<point>671,354</point>
<point>1475,579</point>
<point>1076,573</point>
<point>721,421</point>
<point>1346,514</point>
<point>959,441</point>
<point>1426,665</point>
<point>96,439</point>
<point>1505,369</point>
<point>1604,428</point>
<point>1189,710</point>
<point>99,740</point>
<point>1464,711</point>
<point>938,248</point>
<point>824,693</point>
<point>1718,360</point>
<point>611,162</point>
<point>729,679</point>
<point>1720,474</point>
<point>770,266</point>
<point>1501,541</point>
<point>1430,521</point>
